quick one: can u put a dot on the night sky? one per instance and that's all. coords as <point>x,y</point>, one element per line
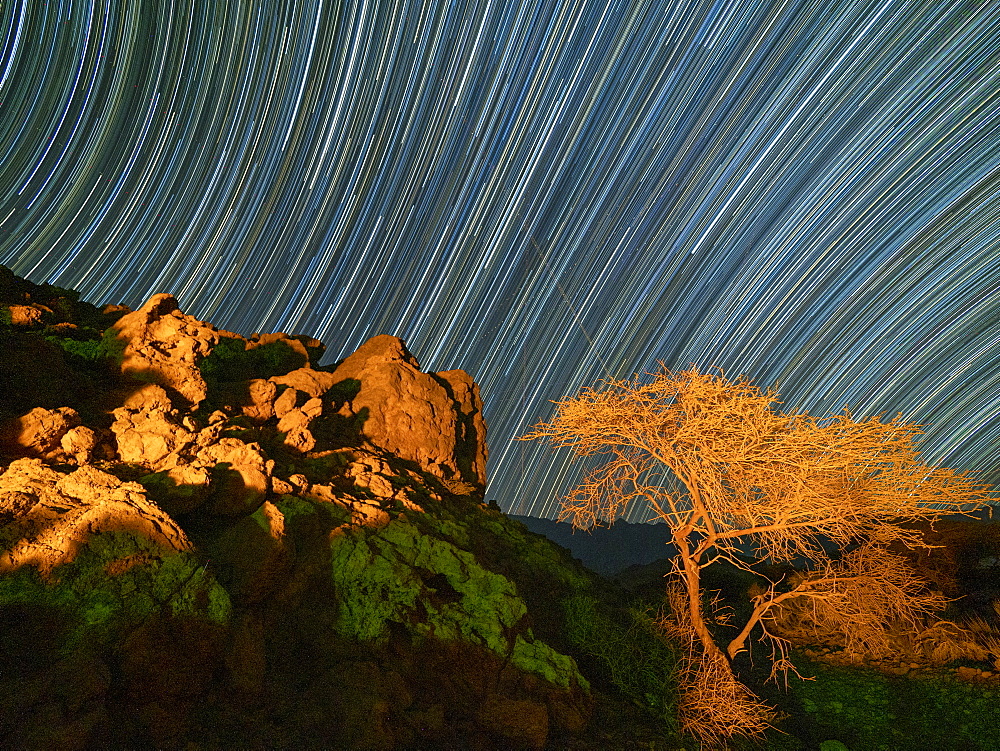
<point>541,193</point>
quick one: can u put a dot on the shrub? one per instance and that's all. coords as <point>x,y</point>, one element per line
<point>628,649</point>
<point>867,709</point>
<point>231,361</point>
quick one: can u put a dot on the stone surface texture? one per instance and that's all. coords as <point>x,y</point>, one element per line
<point>164,346</point>
<point>52,515</point>
<point>432,419</point>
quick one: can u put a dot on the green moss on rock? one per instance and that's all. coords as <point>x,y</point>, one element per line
<point>115,583</point>
<point>434,589</point>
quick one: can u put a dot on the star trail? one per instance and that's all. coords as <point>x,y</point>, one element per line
<point>541,192</point>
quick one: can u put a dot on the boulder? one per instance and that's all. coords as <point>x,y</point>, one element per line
<point>25,315</point>
<point>259,405</point>
<point>433,420</point>
<point>294,423</point>
<point>241,476</point>
<point>69,510</point>
<point>163,345</point>
<point>39,433</point>
<point>287,401</point>
<point>308,381</point>
<point>470,428</point>
<point>148,430</point>
<point>79,443</point>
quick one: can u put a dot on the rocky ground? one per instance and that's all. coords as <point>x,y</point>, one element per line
<point>211,541</point>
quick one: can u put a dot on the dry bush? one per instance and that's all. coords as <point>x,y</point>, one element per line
<point>874,606</point>
<point>713,705</point>
<point>945,642</point>
<point>972,638</point>
<point>863,603</point>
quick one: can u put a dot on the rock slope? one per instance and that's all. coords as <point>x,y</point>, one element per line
<point>212,541</point>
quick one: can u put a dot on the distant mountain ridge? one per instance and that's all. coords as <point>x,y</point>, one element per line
<point>607,550</point>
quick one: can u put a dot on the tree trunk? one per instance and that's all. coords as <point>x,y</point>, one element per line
<point>692,578</point>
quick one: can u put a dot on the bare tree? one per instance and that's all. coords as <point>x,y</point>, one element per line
<point>754,478</point>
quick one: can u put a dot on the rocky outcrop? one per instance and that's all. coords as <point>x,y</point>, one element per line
<point>41,433</point>
<point>240,546</point>
<point>432,419</point>
<point>161,344</point>
<point>149,431</point>
<point>50,516</point>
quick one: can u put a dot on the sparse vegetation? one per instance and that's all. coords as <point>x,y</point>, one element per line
<point>231,361</point>
<point>867,709</point>
<point>629,649</point>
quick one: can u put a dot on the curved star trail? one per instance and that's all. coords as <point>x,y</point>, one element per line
<point>544,193</point>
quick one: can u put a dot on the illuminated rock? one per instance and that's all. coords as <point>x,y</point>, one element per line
<point>315,383</point>
<point>432,419</point>
<point>294,423</point>
<point>26,315</point>
<point>148,429</point>
<point>163,345</point>
<point>261,394</point>
<point>40,432</point>
<point>71,510</point>
<point>257,551</point>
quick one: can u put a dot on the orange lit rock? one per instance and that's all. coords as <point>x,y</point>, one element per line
<point>261,394</point>
<point>241,475</point>
<point>294,423</point>
<point>70,509</point>
<point>164,345</point>
<point>184,488</point>
<point>25,315</point>
<point>308,381</point>
<point>470,428</point>
<point>286,402</point>
<point>39,433</point>
<point>148,430</point>
<point>79,443</point>
<point>432,419</point>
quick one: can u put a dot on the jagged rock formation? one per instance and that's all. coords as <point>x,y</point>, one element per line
<point>52,515</point>
<point>212,539</point>
<point>163,345</point>
<point>432,419</point>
